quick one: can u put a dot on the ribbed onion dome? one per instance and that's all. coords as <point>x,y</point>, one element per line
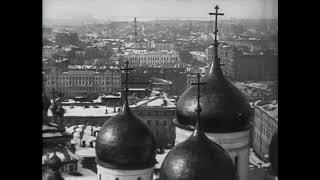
<point>197,158</point>
<point>225,108</point>
<point>273,153</point>
<point>125,142</point>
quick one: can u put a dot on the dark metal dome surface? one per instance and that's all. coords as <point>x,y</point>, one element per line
<point>197,158</point>
<point>224,108</point>
<point>125,142</point>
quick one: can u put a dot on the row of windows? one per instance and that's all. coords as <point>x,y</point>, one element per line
<point>52,78</point>
<point>82,83</point>
<point>153,58</point>
<point>95,89</point>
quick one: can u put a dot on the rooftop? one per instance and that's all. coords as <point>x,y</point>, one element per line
<point>270,107</point>
<point>90,111</point>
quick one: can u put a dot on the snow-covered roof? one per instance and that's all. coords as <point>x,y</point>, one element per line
<point>269,107</point>
<point>91,111</point>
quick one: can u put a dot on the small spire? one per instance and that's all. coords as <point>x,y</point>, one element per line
<point>126,91</point>
<point>198,128</point>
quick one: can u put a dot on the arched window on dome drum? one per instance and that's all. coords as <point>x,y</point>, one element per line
<point>139,178</point>
<point>99,176</point>
<point>117,178</point>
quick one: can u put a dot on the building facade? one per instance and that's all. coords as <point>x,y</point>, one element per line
<point>163,45</point>
<point>80,82</point>
<point>158,113</point>
<point>265,124</point>
<point>248,66</point>
<point>153,58</point>
<point>49,51</point>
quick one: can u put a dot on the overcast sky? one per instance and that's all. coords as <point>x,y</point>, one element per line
<point>190,9</point>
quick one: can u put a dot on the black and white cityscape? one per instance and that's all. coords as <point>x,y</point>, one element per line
<point>160,90</point>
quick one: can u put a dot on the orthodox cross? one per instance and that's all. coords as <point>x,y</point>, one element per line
<point>198,110</point>
<point>216,14</point>
<point>126,69</point>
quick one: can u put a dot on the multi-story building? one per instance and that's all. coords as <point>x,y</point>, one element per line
<point>158,112</point>
<point>153,58</point>
<point>209,52</point>
<point>163,45</point>
<point>49,51</point>
<point>191,78</point>
<point>248,66</point>
<point>199,56</point>
<point>80,82</point>
<point>63,38</point>
<point>265,124</point>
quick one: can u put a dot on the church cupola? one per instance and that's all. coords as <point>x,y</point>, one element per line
<point>197,158</point>
<point>125,146</point>
<point>226,114</point>
<point>225,108</point>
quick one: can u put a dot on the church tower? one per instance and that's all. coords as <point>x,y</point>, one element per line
<point>125,146</point>
<point>226,113</point>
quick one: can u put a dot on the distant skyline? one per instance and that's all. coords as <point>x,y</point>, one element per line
<point>154,9</point>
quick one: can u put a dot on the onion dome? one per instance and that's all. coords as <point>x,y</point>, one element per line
<point>225,108</point>
<point>197,158</point>
<point>125,142</point>
<point>273,153</point>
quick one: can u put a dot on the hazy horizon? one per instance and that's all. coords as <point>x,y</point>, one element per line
<point>144,10</point>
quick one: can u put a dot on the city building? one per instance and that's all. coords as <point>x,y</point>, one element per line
<point>161,85</point>
<point>209,52</point>
<point>83,80</point>
<point>153,58</point>
<point>158,112</point>
<point>191,78</point>
<point>66,38</point>
<point>163,45</point>
<point>249,66</point>
<point>199,56</point>
<point>265,124</point>
<point>50,51</point>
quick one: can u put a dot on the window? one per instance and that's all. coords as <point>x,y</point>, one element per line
<point>139,178</point>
